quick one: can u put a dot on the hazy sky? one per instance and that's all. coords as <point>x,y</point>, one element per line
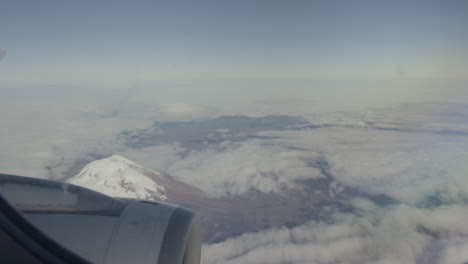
<point>152,40</point>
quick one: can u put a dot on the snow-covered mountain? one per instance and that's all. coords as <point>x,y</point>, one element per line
<point>117,176</point>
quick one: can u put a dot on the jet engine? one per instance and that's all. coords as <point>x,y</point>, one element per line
<point>44,217</point>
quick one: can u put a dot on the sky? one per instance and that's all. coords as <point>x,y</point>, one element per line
<point>117,41</point>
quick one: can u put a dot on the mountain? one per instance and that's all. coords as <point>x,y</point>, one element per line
<point>119,177</point>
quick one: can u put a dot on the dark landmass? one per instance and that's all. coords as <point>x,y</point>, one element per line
<point>197,134</point>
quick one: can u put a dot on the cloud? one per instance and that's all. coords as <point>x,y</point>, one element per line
<point>408,166</point>
<point>234,168</point>
<point>454,251</point>
<point>44,137</point>
<point>405,153</point>
<point>422,169</point>
<point>413,166</point>
<point>400,234</point>
<point>47,130</point>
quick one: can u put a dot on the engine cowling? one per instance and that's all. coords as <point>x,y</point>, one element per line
<point>103,229</point>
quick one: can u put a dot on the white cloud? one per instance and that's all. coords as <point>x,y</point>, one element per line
<point>158,158</point>
<point>44,130</point>
<point>420,165</point>
<point>410,166</point>
<point>407,166</point>
<point>454,250</point>
<point>40,133</point>
<point>399,234</point>
<point>233,168</point>
<point>423,169</point>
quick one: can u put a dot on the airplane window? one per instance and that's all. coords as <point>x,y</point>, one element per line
<point>236,131</point>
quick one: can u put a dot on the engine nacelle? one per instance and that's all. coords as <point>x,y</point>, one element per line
<point>102,229</point>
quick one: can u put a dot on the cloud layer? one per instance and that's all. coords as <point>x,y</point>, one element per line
<point>414,155</point>
<point>406,166</point>
<point>399,234</point>
<point>235,168</point>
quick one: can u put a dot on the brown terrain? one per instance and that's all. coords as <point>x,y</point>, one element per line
<point>223,217</point>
